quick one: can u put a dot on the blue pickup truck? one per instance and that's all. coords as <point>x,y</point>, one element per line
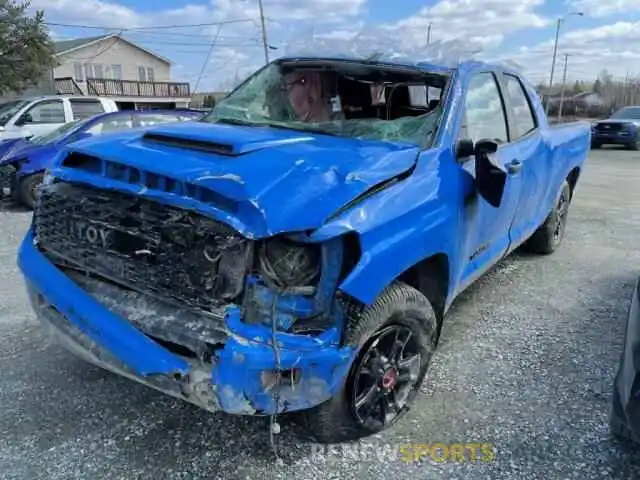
<point>297,249</point>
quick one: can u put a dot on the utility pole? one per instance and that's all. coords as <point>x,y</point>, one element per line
<point>428,35</point>
<point>564,82</point>
<point>265,44</point>
<point>559,23</point>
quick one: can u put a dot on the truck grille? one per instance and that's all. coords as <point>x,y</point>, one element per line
<point>174,254</point>
<point>609,127</point>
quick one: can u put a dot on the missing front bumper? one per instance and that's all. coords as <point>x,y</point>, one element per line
<point>237,379</point>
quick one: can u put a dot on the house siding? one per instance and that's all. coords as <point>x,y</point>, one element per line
<point>113,51</point>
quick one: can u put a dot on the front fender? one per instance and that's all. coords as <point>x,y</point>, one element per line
<point>400,226</point>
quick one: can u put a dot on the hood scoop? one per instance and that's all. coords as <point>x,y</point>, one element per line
<point>190,144</point>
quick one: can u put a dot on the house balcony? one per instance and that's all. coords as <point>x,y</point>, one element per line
<point>107,87</point>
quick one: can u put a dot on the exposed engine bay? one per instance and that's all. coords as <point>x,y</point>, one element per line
<point>176,255</point>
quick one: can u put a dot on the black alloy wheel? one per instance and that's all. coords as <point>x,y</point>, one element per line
<point>385,377</point>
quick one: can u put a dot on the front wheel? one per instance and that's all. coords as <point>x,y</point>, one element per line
<point>550,234</point>
<point>27,189</point>
<point>395,338</point>
<point>596,145</point>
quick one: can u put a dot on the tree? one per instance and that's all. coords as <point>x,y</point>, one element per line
<point>26,51</point>
<point>597,86</point>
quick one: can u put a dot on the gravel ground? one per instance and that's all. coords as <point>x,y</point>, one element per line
<point>526,363</point>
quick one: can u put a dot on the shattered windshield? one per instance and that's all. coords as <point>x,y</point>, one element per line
<point>339,98</point>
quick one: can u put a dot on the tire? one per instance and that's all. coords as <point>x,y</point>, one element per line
<point>381,327</point>
<point>596,145</point>
<point>548,237</point>
<point>27,189</point>
<point>634,146</point>
<point>618,428</point>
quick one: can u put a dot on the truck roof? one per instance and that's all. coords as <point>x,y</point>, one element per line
<point>425,66</point>
<point>55,97</point>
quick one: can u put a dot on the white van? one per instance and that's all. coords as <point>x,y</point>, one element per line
<point>41,115</point>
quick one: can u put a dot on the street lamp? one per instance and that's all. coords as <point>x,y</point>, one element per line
<point>564,83</point>
<point>555,47</point>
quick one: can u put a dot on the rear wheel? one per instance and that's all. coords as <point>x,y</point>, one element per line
<point>596,145</point>
<point>396,338</point>
<point>27,189</point>
<point>550,234</point>
<point>634,146</point>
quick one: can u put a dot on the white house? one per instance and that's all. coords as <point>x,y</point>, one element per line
<point>112,66</point>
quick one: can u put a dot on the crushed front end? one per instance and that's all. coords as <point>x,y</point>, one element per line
<point>184,303</point>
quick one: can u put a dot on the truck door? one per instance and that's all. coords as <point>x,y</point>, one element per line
<point>534,155</point>
<point>41,117</point>
<point>485,227</point>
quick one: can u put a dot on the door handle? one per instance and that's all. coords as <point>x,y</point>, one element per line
<point>514,166</point>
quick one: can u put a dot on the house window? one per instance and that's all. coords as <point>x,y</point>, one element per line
<point>150,75</point>
<point>116,72</point>
<point>142,74</point>
<point>97,71</point>
<point>78,73</point>
<point>88,70</point>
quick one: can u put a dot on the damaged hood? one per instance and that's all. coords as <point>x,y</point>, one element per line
<point>282,180</point>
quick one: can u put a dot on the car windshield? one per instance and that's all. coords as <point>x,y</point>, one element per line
<point>57,133</point>
<point>632,113</point>
<point>9,109</point>
<point>350,99</point>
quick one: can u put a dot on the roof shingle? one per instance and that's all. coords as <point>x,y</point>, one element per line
<point>66,45</point>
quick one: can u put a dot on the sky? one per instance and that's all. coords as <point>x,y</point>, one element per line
<point>521,32</point>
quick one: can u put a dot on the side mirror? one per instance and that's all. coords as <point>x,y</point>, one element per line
<point>465,148</point>
<point>491,177</point>
<point>486,147</point>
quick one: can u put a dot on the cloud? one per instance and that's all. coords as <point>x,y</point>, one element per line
<point>615,47</point>
<point>458,27</point>
<point>603,8</point>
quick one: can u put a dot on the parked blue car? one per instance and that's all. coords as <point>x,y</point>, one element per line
<point>622,128</point>
<point>298,248</point>
<point>23,161</point>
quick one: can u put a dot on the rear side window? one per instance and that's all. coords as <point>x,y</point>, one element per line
<point>484,110</point>
<point>85,108</point>
<point>112,124</point>
<point>524,118</point>
<point>147,120</point>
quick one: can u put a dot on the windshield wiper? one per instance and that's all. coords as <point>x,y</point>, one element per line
<point>234,121</point>
<point>300,129</point>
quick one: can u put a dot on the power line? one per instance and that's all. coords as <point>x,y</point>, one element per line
<point>156,27</point>
<point>206,60</point>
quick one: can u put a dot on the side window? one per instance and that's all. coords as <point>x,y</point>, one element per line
<point>49,111</point>
<point>113,124</point>
<point>524,118</point>
<point>116,72</point>
<point>78,72</point>
<point>484,116</point>
<point>147,120</point>
<point>85,108</point>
